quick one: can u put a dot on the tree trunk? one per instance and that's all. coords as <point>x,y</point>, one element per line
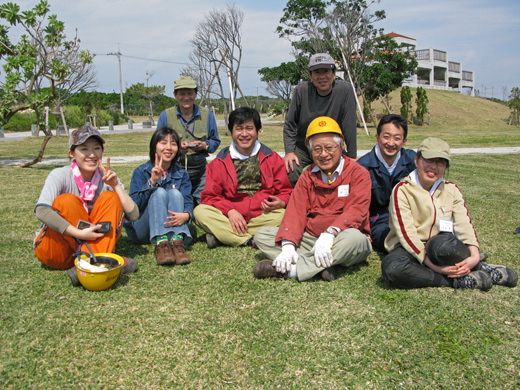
<point>386,104</point>
<point>40,155</point>
<point>219,81</point>
<point>151,113</point>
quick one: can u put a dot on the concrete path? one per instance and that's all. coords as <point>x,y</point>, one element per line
<point>137,128</point>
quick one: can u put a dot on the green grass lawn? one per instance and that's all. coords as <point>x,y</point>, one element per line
<point>211,325</point>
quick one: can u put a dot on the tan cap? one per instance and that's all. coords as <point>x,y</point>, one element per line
<point>184,82</point>
<point>434,148</point>
<point>321,61</point>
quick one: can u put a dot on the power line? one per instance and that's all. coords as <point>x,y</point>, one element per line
<point>170,62</point>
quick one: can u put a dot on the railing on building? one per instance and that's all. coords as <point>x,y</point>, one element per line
<point>439,83</point>
<point>422,55</point>
<point>454,67</point>
<point>439,55</point>
<point>467,76</point>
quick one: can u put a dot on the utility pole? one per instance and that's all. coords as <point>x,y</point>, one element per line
<point>118,54</point>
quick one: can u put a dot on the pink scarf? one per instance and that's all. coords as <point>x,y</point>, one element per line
<point>87,189</point>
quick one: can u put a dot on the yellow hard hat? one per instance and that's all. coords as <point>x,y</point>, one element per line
<point>322,124</point>
<point>98,281</point>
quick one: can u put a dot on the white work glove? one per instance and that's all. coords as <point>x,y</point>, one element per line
<point>283,261</point>
<point>323,250</point>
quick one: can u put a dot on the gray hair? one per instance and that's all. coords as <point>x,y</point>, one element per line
<point>335,137</point>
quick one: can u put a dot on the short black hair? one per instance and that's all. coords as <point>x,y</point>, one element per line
<point>242,115</point>
<point>161,134</point>
<point>396,120</point>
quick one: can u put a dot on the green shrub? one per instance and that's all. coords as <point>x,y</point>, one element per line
<point>74,116</point>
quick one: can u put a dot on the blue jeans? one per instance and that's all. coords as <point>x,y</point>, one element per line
<point>150,224</point>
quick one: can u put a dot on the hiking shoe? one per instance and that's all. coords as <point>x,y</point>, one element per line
<point>129,266</point>
<point>330,274</point>
<point>501,275</point>
<point>181,257</point>
<point>212,241</point>
<point>164,254</point>
<point>73,275</point>
<point>483,256</point>
<point>478,280</point>
<point>264,269</point>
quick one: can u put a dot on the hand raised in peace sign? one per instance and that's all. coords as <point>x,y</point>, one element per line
<point>157,170</point>
<point>109,176</point>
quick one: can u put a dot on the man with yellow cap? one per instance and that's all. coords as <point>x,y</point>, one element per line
<point>325,227</point>
<point>197,129</point>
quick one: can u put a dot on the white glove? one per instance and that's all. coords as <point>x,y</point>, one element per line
<point>323,250</point>
<point>283,261</point>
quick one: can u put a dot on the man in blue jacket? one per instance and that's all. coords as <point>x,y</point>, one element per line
<point>388,163</point>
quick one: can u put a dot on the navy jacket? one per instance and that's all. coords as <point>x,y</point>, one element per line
<point>382,182</point>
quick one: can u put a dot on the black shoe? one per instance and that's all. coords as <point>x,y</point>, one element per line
<point>478,280</point>
<point>264,269</point>
<point>251,243</point>
<point>501,275</point>
<point>332,273</point>
<point>212,241</point>
<point>73,275</point>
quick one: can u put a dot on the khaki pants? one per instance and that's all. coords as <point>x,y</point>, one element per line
<point>213,221</point>
<point>350,247</point>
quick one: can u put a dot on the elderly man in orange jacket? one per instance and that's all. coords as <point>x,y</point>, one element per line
<point>326,225</point>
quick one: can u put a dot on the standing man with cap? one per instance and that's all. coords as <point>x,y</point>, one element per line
<point>197,129</point>
<point>325,227</point>
<point>323,95</point>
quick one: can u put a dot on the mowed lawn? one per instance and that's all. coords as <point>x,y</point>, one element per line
<point>211,325</point>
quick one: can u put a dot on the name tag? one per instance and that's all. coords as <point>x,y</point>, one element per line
<point>445,225</point>
<point>343,191</point>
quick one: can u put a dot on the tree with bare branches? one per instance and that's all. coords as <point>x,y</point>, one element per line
<point>41,62</point>
<point>217,44</point>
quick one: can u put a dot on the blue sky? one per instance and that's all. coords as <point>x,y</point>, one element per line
<point>483,35</point>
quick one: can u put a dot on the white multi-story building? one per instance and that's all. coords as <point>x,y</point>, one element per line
<point>435,70</point>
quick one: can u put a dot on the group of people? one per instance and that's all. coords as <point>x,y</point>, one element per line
<point>314,212</point>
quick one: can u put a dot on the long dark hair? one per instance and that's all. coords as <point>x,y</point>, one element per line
<point>158,136</point>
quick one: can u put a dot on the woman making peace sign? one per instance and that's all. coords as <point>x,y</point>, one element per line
<point>86,191</point>
<point>162,191</point>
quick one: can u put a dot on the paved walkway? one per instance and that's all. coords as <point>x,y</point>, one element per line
<point>137,128</point>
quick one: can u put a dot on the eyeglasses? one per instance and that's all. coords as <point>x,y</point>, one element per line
<point>440,162</point>
<point>318,150</point>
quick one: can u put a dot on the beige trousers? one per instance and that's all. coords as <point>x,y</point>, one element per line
<point>213,221</point>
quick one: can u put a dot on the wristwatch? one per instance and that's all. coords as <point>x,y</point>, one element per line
<point>332,231</point>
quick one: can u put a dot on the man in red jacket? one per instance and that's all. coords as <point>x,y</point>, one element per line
<point>326,225</point>
<point>246,186</point>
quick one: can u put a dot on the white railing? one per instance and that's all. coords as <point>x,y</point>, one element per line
<point>422,55</point>
<point>439,55</point>
<point>467,76</point>
<point>454,67</point>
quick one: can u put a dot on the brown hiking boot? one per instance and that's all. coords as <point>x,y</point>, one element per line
<point>164,254</point>
<point>179,252</point>
<point>264,269</point>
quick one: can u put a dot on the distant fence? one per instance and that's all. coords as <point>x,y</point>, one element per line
<point>493,91</point>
